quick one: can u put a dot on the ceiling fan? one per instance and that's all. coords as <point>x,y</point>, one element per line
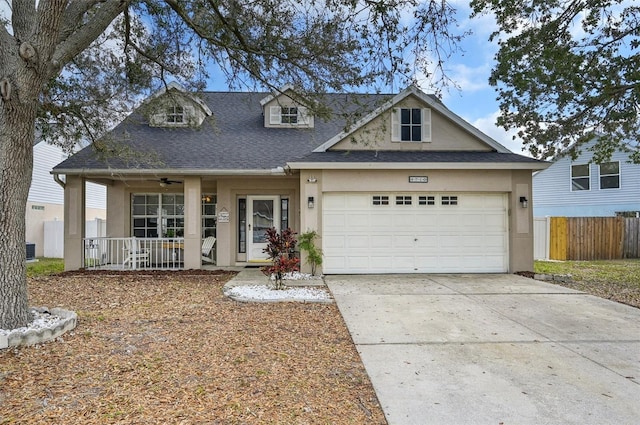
<point>165,181</point>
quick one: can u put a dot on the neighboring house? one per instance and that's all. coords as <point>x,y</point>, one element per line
<point>409,188</point>
<point>580,188</point>
<point>46,197</point>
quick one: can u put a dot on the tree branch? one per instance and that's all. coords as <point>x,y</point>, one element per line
<point>84,35</point>
<point>22,19</point>
<point>73,15</point>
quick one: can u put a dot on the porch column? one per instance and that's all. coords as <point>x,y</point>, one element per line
<point>74,219</point>
<point>192,222</point>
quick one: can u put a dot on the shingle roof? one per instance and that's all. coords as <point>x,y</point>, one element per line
<point>233,138</point>
<point>416,156</point>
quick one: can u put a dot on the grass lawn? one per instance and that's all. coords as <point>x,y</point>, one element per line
<point>45,267</point>
<point>618,280</point>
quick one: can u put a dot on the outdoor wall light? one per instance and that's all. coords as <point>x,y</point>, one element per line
<point>311,202</point>
<point>524,202</point>
<point>312,179</point>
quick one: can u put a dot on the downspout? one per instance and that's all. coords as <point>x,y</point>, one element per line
<point>58,180</point>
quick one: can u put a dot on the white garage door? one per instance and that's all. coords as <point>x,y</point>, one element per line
<point>414,233</point>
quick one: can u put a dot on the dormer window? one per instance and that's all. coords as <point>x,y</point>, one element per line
<point>175,115</point>
<point>288,115</point>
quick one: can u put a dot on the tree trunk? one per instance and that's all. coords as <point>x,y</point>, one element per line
<point>16,163</point>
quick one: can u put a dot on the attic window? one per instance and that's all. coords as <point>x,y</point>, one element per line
<point>411,125</point>
<point>175,115</point>
<point>289,115</point>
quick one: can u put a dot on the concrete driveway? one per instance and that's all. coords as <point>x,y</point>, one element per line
<point>492,349</point>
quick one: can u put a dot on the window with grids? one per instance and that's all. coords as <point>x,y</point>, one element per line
<point>175,115</point>
<point>380,200</point>
<point>403,200</point>
<point>156,215</point>
<point>449,200</point>
<point>580,177</point>
<point>610,175</point>
<point>411,124</point>
<point>426,200</point>
<point>289,115</point>
<point>208,215</point>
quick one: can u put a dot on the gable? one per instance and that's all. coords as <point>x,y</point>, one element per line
<point>173,106</point>
<point>282,111</point>
<point>440,133</point>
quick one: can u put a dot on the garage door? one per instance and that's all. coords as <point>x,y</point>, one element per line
<point>414,233</point>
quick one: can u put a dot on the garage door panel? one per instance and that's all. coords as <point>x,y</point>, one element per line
<point>359,237</point>
<point>382,241</point>
<point>357,219</point>
<point>358,242</point>
<point>335,221</point>
<point>333,242</point>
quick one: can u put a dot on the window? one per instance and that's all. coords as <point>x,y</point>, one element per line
<point>580,177</point>
<point>208,215</point>
<point>175,115</point>
<point>426,200</point>
<point>449,200</point>
<point>156,215</point>
<point>284,213</point>
<point>411,125</point>
<point>610,175</point>
<point>403,200</point>
<point>289,115</point>
<point>242,225</point>
<point>380,200</point>
<point>145,211</point>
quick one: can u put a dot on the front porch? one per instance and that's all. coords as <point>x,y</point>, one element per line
<point>141,253</point>
<point>152,227</point>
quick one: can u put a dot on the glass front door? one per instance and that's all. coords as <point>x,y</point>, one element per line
<point>263,213</point>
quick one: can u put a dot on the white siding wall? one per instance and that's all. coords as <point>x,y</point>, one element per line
<point>552,195</point>
<point>45,190</point>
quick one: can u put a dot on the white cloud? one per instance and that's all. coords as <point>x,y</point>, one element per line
<point>487,125</point>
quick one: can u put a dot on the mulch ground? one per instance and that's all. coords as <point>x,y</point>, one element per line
<point>170,348</point>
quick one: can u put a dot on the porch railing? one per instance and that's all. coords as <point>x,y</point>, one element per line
<point>133,253</point>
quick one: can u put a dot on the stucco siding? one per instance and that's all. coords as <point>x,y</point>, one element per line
<point>552,194</point>
<point>445,135</point>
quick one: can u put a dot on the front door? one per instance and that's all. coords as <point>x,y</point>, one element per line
<point>263,212</point>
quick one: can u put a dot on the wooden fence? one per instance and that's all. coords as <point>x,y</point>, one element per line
<point>594,238</point>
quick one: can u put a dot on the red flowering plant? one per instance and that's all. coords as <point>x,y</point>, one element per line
<point>281,251</point>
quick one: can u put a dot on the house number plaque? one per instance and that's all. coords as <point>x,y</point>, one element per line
<point>418,179</point>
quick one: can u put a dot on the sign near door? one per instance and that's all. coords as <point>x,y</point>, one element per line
<point>418,179</point>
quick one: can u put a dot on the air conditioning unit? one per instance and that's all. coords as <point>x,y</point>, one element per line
<point>31,251</point>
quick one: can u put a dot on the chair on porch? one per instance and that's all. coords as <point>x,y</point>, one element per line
<point>207,246</point>
<point>135,255</point>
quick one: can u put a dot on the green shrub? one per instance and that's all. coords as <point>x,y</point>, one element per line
<point>306,242</point>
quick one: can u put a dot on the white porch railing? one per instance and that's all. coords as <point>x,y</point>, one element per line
<point>133,253</point>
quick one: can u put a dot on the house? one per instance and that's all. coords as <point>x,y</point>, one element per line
<point>408,187</point>
<point>581,188</point>
<point>46,197</point>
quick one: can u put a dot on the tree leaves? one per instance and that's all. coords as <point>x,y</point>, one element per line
<point>567,72</point>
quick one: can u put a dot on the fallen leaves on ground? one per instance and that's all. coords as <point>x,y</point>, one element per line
<point>170,348</point>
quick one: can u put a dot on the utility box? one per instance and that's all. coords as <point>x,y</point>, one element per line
<point>31,251</point>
